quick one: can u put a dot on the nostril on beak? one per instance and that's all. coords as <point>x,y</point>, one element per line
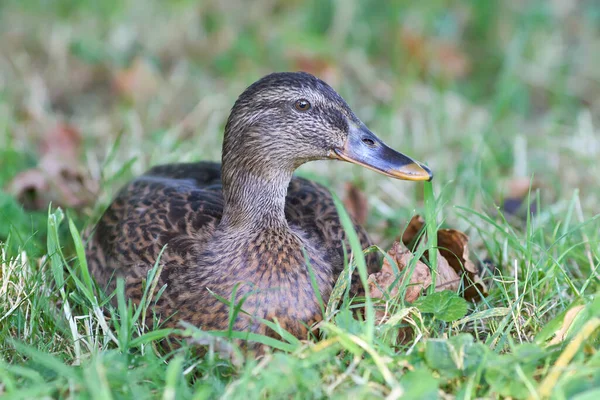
<point>369,142</point>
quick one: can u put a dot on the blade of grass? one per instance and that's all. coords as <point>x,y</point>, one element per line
<point>83,266</point>
<point>313,282</point>
<point>57,260</point>
<point>174,372</point>
<point>151,281</point>
<point>46,360</point>
<point>256,338</point>
<point>96,380</point>
<point>236,308</point>
<point>152,336</point>
<point>124,328</point>
<point>431,221</point>
<point>361,264</point>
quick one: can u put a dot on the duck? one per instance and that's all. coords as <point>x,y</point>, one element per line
<point>246,229</point>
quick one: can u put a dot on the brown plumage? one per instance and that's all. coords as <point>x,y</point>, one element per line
<point>246,225</point>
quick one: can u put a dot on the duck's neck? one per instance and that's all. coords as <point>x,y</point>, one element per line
<point>254,193</point>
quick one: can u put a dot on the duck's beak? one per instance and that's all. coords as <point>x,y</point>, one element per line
<point>362,147</point>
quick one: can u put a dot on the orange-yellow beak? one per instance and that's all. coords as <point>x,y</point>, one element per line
<point>362,147</point>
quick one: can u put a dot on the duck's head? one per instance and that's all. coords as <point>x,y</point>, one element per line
<point>286,119</point>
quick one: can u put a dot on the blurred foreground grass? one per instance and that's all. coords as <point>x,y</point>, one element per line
<point>490,94</point>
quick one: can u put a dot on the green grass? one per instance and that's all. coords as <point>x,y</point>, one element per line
<point>527,106</point>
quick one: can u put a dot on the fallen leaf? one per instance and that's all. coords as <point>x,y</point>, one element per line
<point>58,177</point>
<point>139,81</point>
<point>450,60</point>
<point>320,66</point>
<point>387,283</point>
<point>63,139</point>
<point>415,45</point>
<point>453,246</point>
<point>54,181</point>
<point>447,278</point>
<point>435,56</point>
<point>410,234</point>
<point>27,186</point>
<point>356,204</point>
<point>384,279</point>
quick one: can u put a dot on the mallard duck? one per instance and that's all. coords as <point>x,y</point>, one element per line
<point>246,226</point>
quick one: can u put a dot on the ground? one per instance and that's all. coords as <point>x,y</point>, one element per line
<point>500,99</point>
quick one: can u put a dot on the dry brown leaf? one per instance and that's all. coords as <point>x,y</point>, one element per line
<point>71,185</point>
<point>450,60</point>
<point>433,55</point>
<point>356,204</point>
<point>139,81</point>
<point>447,278</point>
<point>454,269</point>
<point>63,139</point>
<point>58,178</point>
<point>412,231</point>
<point>475,288</point>
<point>421,276</point>
<point>453,246</point>
<point>381,282</point>
<point>415,45</point>
<point>27,186</point>
<point>317,65</point>
<point>55,180</point>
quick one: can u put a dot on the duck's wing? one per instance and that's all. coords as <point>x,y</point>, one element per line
<point>310,207</point>
<point>202,174</point>
<point>176,205</point>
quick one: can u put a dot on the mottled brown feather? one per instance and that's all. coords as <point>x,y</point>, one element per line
<point>179,206</point>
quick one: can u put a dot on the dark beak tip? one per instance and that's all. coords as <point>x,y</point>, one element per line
<point>428,170</point>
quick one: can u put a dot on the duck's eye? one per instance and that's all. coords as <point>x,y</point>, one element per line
<point>302,105</point>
